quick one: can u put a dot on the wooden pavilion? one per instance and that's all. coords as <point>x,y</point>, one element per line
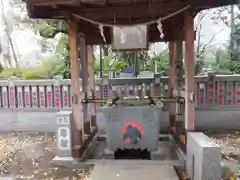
<point>83,16</point>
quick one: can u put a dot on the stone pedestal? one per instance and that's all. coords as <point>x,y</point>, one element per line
<point>64,138</point>
<point>203,157</point>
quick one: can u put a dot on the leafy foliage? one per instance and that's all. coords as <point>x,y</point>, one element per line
<point>47,69</point>
<point>230,16</point>
<point>49,28</point>
<point>63,67</point>
<point>7,72</point>
<point>161,60</point>
<point>236,42</point>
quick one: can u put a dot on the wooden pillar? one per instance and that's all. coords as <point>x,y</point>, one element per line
<point>77,127</point>
<point>92,107</point>
<point>189,68</point>
<point>171,83</point>
<point>178,85</point>
<point>84,73</point>
<point>179,67</point>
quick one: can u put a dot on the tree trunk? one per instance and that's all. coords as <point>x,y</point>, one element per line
<point>9,36</point>
<point>105,49</point>
<point>231,46</point>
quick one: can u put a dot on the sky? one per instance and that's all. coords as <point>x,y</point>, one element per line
<point>210,28</point>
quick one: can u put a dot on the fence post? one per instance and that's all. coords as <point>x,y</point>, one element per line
<point>211,94</point>
<point>105,86</point>
<point>157,81</point>
<point>12,100</point>
<point>57,91</point>
<point>12,91</point>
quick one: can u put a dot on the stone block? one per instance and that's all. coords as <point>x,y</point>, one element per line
<point>123,124</point>
<point>203,157</point>
<point>63,134</point>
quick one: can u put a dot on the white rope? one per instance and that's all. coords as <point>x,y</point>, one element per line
<point>141,24</point>
<point>123,36</point>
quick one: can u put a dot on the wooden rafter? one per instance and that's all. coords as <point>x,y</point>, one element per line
<point>113,14</point>
<point>49,2</point>
<point>142,10</point>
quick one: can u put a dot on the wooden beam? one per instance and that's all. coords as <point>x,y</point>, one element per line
<point>141,9</point>
<point>77,128</point>
<point>189,68</point>
<point>124,10</point>
<point>154,6</point>
<point>49,12</point>
<point>43,12</point>
<point>50,2</point>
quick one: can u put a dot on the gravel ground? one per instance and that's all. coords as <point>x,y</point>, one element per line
<point>28,156</point>
<point>230,145</point>
<point>230,148</point>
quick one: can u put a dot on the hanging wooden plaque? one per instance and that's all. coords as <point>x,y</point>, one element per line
<point>130,38</point>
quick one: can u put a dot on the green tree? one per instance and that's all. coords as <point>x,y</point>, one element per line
<point>130,58</point>
<point>230,16</point>
<point>62,53</point>
<point>46,69</point>
<point>49,29</point>
<point>160,62</point>
<point>222,60</point>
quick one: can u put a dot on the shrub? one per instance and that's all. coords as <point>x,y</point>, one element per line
<point>7,72</point>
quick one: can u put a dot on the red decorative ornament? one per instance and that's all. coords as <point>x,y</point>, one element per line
<point>131,132</point>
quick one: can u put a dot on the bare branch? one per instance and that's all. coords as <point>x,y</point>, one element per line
<point>199,27</point>
<point>200,17</point>
<point>209,42</point>
<point>224,18</point>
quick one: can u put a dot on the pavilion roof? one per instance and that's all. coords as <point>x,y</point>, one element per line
<point>124,12</point>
